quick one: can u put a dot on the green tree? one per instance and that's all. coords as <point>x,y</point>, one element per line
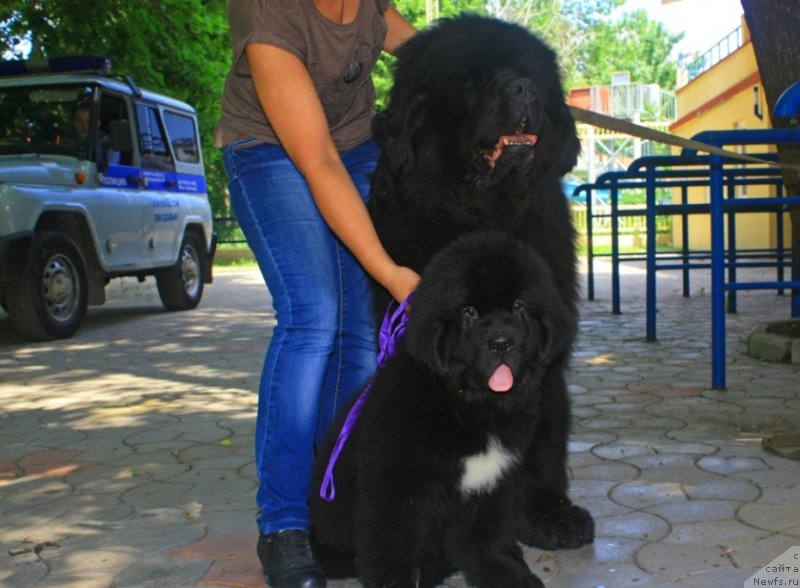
<point>590,44</point>
<point>565,25</point>
<point>634,43</point>
<point>177,47</point>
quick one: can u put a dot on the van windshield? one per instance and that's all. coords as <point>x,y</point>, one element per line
<point>47,120</point>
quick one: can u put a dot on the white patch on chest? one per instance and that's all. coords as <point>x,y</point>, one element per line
<point>483,471</point>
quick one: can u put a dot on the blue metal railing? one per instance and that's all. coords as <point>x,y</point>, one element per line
<point>722,176</point>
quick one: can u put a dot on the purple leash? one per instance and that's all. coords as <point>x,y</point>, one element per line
<point>392,329</point>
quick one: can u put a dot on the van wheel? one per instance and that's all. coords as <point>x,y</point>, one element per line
<point>180,286</point>
<point>50,299</point>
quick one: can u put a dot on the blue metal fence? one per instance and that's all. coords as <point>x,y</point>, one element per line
<point>722,176</point>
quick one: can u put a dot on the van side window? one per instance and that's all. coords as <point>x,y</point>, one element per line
<point>183,134</point>
<point>152,145</point>
<point>113,109</point>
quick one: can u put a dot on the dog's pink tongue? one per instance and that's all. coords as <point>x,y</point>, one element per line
<point>502,379</point>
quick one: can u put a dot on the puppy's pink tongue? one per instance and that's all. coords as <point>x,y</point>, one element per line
<point>502,379</point>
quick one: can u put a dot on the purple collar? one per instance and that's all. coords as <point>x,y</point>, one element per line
<point>392,330</point>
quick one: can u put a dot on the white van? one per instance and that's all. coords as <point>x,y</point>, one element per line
<point>98,179</point>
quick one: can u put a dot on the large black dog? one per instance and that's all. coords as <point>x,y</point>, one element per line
<point>477,135</point>
<point>425,482</point>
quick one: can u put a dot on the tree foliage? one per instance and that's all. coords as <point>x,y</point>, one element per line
<point>591,45</point>
<point>564,24</point>
<point>633,43</point>
<point>181,47</point>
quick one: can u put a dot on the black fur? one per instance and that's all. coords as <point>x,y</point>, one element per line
<point>403,510</point>
<point>459,86</point>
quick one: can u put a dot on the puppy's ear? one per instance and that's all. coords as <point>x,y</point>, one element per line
<point>427,343</point>
<point>398,128</point>
<point>558,331</point>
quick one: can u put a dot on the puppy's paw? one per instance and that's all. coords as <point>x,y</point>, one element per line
<point>507,570</point>
<point>567,527</point>
<point>525,579</point>
<point>387,582</point>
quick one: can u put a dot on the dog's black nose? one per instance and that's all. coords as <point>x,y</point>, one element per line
<point>522,89</point>
<point>501,344</point>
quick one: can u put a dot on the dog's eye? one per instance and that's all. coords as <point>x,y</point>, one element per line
<point>518,307</point>
<point>469,313</point>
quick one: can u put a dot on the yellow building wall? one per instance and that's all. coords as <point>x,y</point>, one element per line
<point>723,98</point>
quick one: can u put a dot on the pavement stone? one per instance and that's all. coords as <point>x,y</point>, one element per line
<point>126,453</point>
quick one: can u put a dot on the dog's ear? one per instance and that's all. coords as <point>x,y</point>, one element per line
<point>567,146</point>
<point>397,129</point>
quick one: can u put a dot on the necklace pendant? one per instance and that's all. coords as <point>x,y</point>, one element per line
<point>351,72</point>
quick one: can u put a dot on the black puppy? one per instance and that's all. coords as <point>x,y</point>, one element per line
<point>425,481</point>
<point>477,135</point>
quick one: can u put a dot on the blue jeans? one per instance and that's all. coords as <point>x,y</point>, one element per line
<point>323,347</point>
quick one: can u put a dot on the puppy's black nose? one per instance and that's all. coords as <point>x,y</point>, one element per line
<point>522,89</point>
<point>501,344</point>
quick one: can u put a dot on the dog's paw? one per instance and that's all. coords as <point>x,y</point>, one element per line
<point>568,527</point>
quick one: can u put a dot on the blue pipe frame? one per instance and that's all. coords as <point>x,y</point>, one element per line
<point>654,177</point>
<point>711,172</point>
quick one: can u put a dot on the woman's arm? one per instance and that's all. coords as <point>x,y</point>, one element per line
<point>399,30</point>
<point>295,112</point>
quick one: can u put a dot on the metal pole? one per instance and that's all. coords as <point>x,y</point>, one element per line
<point>717,206</point>
<point>650,288</point>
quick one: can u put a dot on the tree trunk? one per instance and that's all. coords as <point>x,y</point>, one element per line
<point>774,25</point>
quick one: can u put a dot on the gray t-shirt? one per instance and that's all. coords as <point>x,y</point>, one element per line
<point>339,58</point>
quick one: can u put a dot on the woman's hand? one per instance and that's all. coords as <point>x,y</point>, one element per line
<point>402,282</point>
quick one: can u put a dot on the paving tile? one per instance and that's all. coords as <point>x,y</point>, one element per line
<point>697,511</point>
<point>731,464</point>
<point>615,472</point>
<point>233,559</point>
<point>772,517</point>
<point>585,441</point>
<point>635,525</point>
<point>32,491</point>
<point>151,494</point>
<point>643,496</point>
<point>757,554</point>
<point>675,562</point>
<point>92,568</point>
<point>623,449</point>
<point>600,574</point>
<point>713,533</point>
<point>150,572</point>
<point>21,570</point>
<point>717,578</point>
<point>663,461</point>
<point>612,550</point>
<point>102,479</point>
<point>724,489</point>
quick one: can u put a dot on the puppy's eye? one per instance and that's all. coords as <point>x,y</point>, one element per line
<point>469,313</point>
<point>518,307</point>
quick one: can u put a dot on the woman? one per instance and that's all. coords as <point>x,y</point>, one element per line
<point>295,125</point>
